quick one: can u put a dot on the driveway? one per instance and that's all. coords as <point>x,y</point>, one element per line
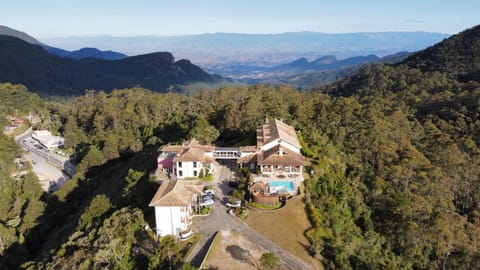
<point>220,220</point>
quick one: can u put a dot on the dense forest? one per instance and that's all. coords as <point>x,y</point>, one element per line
<point>395,153</point>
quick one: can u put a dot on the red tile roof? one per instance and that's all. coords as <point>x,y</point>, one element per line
<point>176,193</point>
<point>275,130</point>
<point>273,157</point>
<point>252,158</point>
<point>189,151</point>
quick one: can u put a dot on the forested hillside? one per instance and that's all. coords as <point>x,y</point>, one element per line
<point>458,56</point>
<point>396,171</point>
<point>21,205</point>
<point>395,154</point>
<point>51,75</point>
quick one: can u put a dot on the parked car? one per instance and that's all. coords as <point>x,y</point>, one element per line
<point>209,192</point>
<point>234,204</point>
<point>207,202</point>
<point>207,197</point>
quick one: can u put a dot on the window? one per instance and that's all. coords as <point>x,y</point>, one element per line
<point>194,164</point>
<point>195,173</point>
<point>179,164</point>
<point>180,174</point>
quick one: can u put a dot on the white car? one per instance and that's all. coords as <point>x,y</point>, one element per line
<point>207,197</point>
<point>235,204</point>
<point>209,192</point>
<point>207,202</point>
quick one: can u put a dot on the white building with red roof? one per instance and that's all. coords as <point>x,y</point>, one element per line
<point>276,156</point>
<point>174,203</point>
<point>190,159</point>
<point>277,151</point>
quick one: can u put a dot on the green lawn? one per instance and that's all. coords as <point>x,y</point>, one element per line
<point>286,227</point>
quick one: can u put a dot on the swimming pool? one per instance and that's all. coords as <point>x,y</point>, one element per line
<point>282,187</point>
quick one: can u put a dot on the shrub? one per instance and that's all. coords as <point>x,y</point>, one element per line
<point>269,260</point>
<point>205,210</point>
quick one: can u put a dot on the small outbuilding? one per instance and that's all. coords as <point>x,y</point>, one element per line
<point>260,193</point>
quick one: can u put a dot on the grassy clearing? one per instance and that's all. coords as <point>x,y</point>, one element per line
<point>286,227</point>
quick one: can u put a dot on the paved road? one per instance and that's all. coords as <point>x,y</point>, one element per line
<point>220,220</point>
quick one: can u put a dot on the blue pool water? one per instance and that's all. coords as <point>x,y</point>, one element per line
<point>281,187</point>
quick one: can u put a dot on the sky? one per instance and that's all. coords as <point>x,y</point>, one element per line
<point>63,18</point>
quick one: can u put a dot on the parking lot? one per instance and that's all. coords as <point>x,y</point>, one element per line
<point>45,172</point>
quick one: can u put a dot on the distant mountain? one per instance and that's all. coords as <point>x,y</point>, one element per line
<point>303,74</point>
<point>40,71</point>
<point>214,50</point>
<point>86,53</point>
<point>458,56</point>
<point>328,62</point>
<point>78,54</point>
<point>303,67</point>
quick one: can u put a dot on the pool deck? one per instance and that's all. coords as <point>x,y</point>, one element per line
<point>297,180</point>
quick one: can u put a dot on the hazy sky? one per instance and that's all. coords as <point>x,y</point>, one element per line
<point>57,18</point>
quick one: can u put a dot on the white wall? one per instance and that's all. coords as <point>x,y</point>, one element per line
<point>168,220</point>
<point>188,169</point>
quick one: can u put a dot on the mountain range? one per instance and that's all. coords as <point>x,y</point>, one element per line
<point>86,53</point>
<point>49,74</point>
<point>54,71</point>
<point>76,54</point>
<point>458,57</point>
<point>304,74</point>
<point>227,49</point>
<point>302,65</point>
